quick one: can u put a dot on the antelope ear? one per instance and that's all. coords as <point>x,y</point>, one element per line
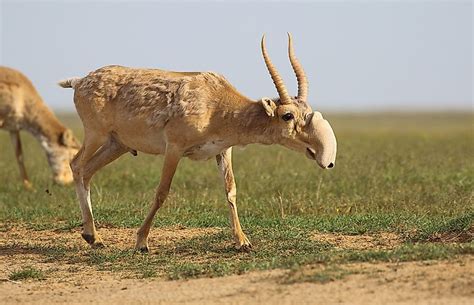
<point>67,139</point>
<point>269,106</point>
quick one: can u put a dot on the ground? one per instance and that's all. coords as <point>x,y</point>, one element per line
<point>448,281</point>
<point>393,223</point>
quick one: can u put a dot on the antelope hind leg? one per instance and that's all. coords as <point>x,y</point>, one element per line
<point>78,165</point>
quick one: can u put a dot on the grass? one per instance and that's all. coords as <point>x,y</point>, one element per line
<point>412,175</point>
<point>321,275</point>
<point>27,273</point>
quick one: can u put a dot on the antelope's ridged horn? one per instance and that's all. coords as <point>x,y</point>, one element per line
<point>300,75</point>
<point>277,80</point>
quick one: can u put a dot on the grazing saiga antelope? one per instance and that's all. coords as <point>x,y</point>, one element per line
<point>21,107</point>
<point>198,115</point>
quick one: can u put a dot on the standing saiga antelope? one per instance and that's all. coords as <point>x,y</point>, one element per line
<point>198,115</point>
<point>21,107</point>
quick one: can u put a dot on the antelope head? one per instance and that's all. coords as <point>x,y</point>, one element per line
<point>302,129</point>
<point>60,152</point>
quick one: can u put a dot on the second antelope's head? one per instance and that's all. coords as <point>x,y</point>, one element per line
<point>60,152</point>
<point>302,129</point>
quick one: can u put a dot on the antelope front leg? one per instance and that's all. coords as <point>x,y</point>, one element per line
<point>224,161</point>
<point>169,168</point>
<point>15,137</point>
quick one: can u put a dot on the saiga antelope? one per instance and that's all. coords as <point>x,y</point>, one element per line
<point>21,107</point>
<point>198,115</point>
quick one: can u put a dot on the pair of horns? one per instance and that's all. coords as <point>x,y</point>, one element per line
<point>278,81</point>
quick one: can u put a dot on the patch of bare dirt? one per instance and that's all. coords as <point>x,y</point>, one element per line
<point>121,238</point>
<point>382,240</point>
<point>437,282</point>
<point>20,247</point>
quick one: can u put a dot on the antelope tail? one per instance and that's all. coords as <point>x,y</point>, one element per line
<point>70,82</point>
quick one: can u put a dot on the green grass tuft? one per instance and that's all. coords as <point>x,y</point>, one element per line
<point>27,273</point>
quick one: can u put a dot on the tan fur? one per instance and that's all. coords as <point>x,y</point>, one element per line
<point>198,115</point>
<point>21,108</point>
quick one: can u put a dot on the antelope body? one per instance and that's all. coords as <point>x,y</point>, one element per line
<point>198,115</point>
<point>21,107</point>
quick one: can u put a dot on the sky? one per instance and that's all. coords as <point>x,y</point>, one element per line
<point>358,55</point>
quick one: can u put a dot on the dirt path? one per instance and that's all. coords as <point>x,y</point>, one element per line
<point>429,282</point>
<point>407,283</point>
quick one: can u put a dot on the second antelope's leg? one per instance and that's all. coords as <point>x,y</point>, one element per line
<point>169,168</point>
<point>224,161</point>
<point>15,137</point>
<point>84,167</point>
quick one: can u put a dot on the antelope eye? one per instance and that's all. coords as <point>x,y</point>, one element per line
<point>287,117</point>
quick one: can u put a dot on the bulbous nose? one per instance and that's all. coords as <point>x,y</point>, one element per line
<point>331,165</point>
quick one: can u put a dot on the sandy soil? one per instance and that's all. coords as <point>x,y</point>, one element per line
<point>429,282</point>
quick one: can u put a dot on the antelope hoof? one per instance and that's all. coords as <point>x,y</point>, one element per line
<point>27,184</point>
<point>142,247</point>
<point>94,241</point>
<point>244,246</point>
<point>98,245</point>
